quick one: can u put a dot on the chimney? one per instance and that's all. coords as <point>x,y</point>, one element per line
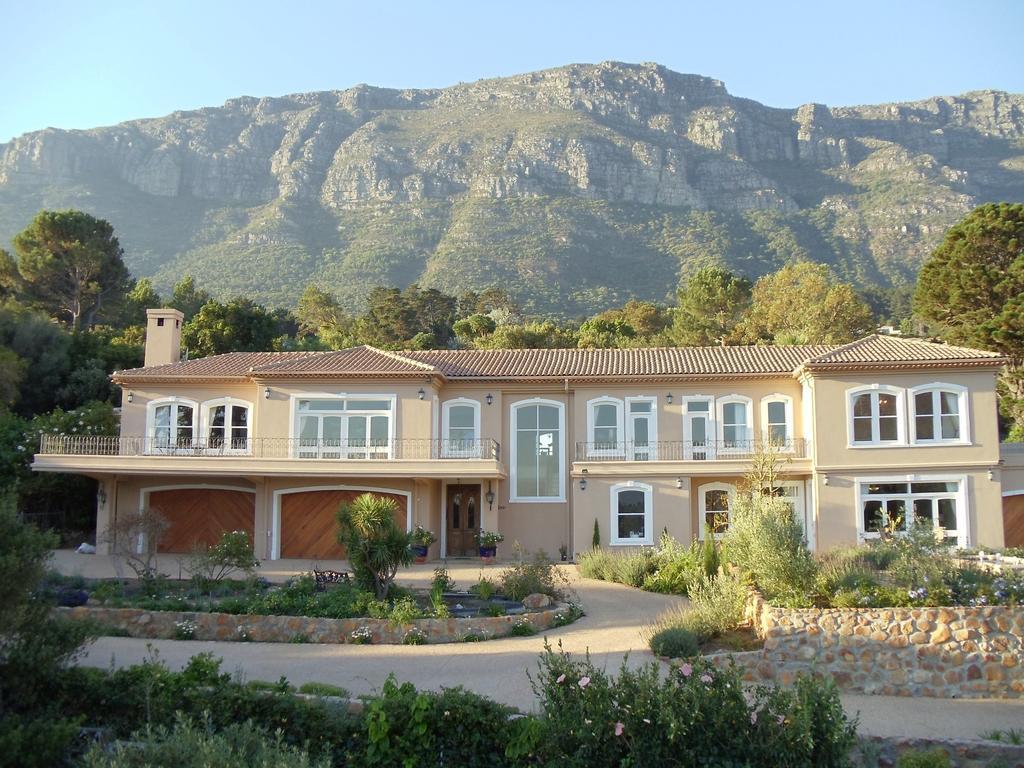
<point>163,336</point>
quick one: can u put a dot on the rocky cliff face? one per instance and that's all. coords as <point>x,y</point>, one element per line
<point>575,187</point>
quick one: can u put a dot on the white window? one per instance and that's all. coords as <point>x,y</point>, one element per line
<point>642,428</point>
<point>228,425</point>
<point>890,504</point>
<point>460,425</point>
<point>714,501</point>
<point>538,448</point>
<point>777,420</point>
<point>344,426</point>
<point>171,424</point>
<point>939,414</point>
<point>605,427</point>
<point>632,514</point>
<point>698,427</point>
<point>734,428</point>
<point>876,416</point>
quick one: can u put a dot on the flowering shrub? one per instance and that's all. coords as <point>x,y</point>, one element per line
<point>184,629</point>
<point>415,636</point>
<point>522,628</point>
<point>361,636</point>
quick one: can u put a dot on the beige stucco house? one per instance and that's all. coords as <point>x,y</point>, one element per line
<point>538,444</point>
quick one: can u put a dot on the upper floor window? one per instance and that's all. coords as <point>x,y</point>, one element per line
<point>460,427</point>
<point>876,416</point>
<point>940,413</point>
<point>632,514</point>
<point>734,422</point>
<point>172,423</point>
<point>228,424</point>
<point>538,448</point>
<point>344,426</point>
<point>777,419</point>
<point>605,426</point>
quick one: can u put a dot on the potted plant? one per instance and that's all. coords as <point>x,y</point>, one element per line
<point>421,540</point>
<point>488,542</point>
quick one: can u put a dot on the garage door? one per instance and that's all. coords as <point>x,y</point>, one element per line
<point>1013,521</point>
<point>309,528</point>
<point>199,516</point>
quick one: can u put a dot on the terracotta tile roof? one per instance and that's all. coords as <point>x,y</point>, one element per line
<point>519,364</point>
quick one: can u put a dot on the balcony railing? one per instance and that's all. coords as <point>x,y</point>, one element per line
<point>274,448</point>
<point>688,450</point>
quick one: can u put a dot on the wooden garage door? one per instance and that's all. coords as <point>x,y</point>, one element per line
<point>199,516</point>
<point>1013,521</point>
<point>309,526</point>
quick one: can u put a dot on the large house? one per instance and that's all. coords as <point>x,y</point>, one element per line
<point>541,444</point>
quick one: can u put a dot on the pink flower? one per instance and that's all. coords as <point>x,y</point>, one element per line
<point>705,678</point>
<point>686,670</point>
<point>753,718</point>
<point>584,682</point>
<point>619,728</point>
<point>561,679</point>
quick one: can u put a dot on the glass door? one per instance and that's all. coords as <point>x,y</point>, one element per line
<point>642,429</point>
<point>697,431</point>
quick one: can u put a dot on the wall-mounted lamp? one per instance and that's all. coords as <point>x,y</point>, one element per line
<point>668,398</point>
<point>679,482</point>
<point>583,481</point>
<point>131,396</point>
<point>489,496</point>
<point>421,393</point>
<point>101,496</point>
<point>991,474</point>
<point>489,398</point>
<point>266,392</point>
<point>824,479</point>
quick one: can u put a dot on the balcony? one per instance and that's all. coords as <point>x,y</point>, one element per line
<point>688,450</point>
<point>271,456</point>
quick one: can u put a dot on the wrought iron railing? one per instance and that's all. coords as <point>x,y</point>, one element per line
<point>273,448</point>
<point>688,450</point>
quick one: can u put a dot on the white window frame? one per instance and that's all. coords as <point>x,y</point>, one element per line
<point>652,435</point>
<point>787,401</point>
<point>513,447</point>
<point>712,428</point>
<point>901,416</point>
<point>648,492</point>
<point>205,419</point>
<point>963,512</point>
<point>962,403</point>
<point>447,449</point>
<point>293,425</point>
<point>620,427</point>
<point>172,447</point>
<point>702,507</point>
<point>799,502</point>
<point>720,404</point>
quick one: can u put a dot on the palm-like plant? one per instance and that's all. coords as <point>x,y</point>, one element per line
<point>377,547</point>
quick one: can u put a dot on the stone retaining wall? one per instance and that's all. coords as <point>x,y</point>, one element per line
<point>944,652</point>
<point>962,753</point>
<point>283,629</point>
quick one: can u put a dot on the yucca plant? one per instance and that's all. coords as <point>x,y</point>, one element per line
<point>377,547</point>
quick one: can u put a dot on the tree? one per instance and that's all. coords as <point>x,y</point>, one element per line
<point>469,329</point>
<point>71,264</point>
<point>187,298</point>
<point>376,546</point>
<point>711,305</point>
<point>800,304</point>
<point>141,297</point>
<point>973,287</point>
<point>240,325</point>
<point>599,332</point>
<point>531,335</point>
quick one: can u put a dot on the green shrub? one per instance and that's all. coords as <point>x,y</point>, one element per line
<point>403,611</point>
<point>716,606</point>
<point>522,628</point>
<point>485,588</point>
<point>919,758</point>
<point>437,603</point>
<point>538,575</point>
<point>442,580</point>
<point>596,564</point>
<point>314,688</point>
<point>709,556</point>
<point>675,642</point>
<point>188,745</point>
<point>232,553</point>
<point>766,541</point>
<point>595,539</point>
<point>676,567</point>
<point>376,546</point>
<point>632,568</point>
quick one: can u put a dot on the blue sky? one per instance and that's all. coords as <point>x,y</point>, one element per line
<point>80,65</point>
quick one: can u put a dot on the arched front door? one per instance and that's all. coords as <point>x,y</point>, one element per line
<point>463,519</point>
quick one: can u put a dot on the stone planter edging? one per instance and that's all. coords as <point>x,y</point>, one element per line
<point>955,652</point>
<point>283,629</point>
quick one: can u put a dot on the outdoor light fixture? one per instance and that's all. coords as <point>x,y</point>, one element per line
<point>101,495</point>
<point>991,474</point>
<point>679,482</point>
<point>131,396</point>
<point>421,393</point>
<point>489,398</point>
<point>266,393</point>
<point>824,480</point>
<point>583,481</point>
<point>489,495</point>
<point>668,398</point>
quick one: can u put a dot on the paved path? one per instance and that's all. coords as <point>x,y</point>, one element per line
<point>612,628</point>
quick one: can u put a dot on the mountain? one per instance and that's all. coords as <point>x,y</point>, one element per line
<point>575,188</point>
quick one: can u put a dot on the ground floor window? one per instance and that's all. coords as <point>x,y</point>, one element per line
<point>892,507</point>
<point>714,501</point>
<point>632,514</point>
